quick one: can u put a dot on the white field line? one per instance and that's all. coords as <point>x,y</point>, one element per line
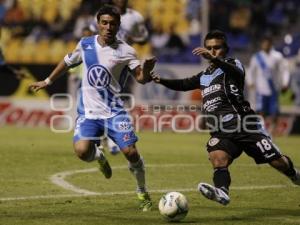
<point>59,179</point>
<point>132,192</point>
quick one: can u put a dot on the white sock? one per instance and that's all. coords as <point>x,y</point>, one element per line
<point>98,154</point>
<point>112,146</point>
<point>138,170</point>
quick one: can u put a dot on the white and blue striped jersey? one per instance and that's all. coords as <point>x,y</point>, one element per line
<point>268,72</point>
<point>104,75</point>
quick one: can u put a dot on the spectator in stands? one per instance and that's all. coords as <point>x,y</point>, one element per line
<point>5,68</point>
<point>268,74</point>
<point>15,15</point>
<point>57,28</point>
<point>159,40</point>
<point>83,20</point>
<point>175,42</point>
<point>2,10</point>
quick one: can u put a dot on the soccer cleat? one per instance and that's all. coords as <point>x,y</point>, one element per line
<point>145,201</point>
<point>296,178</point>
<point>213,193</point>
<point>104,166</point>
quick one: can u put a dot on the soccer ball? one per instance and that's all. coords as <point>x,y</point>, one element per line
<point>173,206</point>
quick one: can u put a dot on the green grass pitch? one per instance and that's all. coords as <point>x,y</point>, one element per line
<point>174,162</point>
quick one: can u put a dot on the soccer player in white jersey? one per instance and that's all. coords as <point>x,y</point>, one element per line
<point>268,75</point>
<point>132,30</point>
<point>100,109</point>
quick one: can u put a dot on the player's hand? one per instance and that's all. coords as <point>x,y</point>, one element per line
<point>148,68</point>
<point>199,51</point>
<point>149,64</point>
<point>155,78</point>
<point>37,86</point>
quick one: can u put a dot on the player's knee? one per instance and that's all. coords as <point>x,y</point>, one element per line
<point>131,153</point>
<point>219,159</point>
<point>82,151</point>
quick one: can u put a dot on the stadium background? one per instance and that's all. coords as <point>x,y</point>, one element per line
<point>37,34</point>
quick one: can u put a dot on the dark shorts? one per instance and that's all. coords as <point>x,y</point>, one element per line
<point>256,145</point>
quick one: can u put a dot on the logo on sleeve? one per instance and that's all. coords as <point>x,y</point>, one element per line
<point>98,76</point>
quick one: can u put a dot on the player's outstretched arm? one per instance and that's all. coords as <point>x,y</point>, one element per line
<point>143,75</point>
<point>185,84</point>
<point>60,69</point>
<point>229,68</point>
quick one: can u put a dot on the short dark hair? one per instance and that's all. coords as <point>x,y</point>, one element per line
<point>108,10</point>
<point>217,34</point>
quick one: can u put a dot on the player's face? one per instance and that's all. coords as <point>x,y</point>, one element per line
<point>108,27</point>
<point>216,47</point>
<point>266,45</point>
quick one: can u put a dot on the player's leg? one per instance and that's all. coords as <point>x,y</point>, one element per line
<point>85,143</point>
<point>263,150</point>
<point>286,166</point>
<point>221,154</point>
<point>221,178</point>
<point>120,130</point>
<point>89,151</point>
<point>137,168</point>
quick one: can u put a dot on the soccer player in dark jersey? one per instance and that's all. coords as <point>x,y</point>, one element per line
<point>234,126</point>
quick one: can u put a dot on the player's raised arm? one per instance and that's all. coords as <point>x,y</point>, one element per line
<point>143,75</point>
<point>70,60</point>
<point>215,51</point>
<point>185,84</point>
<point>60,69</point>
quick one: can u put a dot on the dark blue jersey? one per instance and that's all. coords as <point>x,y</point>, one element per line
<point>222,86</point>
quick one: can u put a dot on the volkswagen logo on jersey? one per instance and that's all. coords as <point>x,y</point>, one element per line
<point>98,76</point>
